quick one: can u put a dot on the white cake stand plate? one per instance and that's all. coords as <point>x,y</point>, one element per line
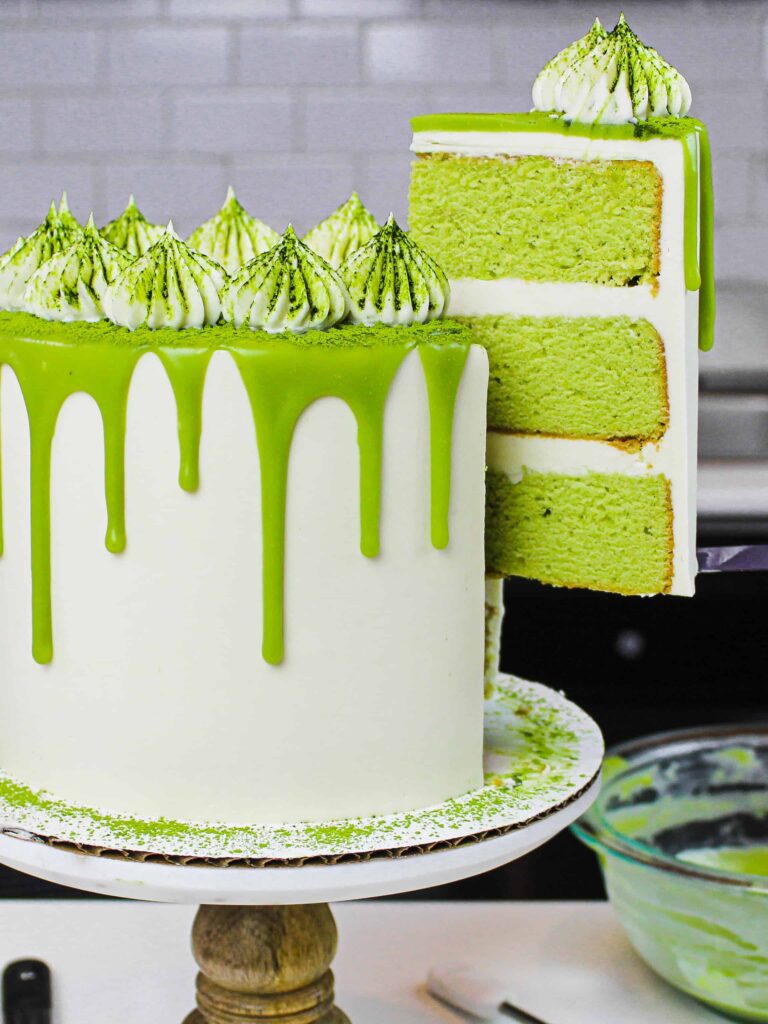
<point>264,937</point>
<point>310,883</point>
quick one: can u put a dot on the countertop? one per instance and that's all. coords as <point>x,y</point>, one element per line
<point>569,962</point>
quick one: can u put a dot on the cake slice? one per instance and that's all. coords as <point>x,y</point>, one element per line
<point>578,242</point>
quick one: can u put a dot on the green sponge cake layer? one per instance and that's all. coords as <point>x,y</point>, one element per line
<point>604,531</point>
<point>538,218</point>
<point>599,378</point>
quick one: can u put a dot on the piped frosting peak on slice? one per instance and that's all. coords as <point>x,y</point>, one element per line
<point>171,285</point>
<point>391,280</point>
<point>21,261</point>
<point>232,236</point>
<point>611,78</point>
<point>132,231</point>
<point>72,283</point>
<point>343,232</point>
<point>289,288</point>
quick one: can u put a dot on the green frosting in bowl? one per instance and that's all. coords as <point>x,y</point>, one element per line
<point>171,285</point>
<point>391,280</point>
<point>72,283</point>
<point>611,78</point>
<point>289,288</point>
<point>17,266</point>
<point>132,231</point>
<point>232,236</point>
<point>343,232</point>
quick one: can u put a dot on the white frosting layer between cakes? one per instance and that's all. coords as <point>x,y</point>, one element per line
<point>672,310</point>
<point>158,701</point>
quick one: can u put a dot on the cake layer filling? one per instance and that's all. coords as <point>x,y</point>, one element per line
<point>598,378</point>
<point>604,531</point>
<point>538,218</point>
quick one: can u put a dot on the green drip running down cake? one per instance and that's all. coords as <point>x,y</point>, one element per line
<point>578,243</point>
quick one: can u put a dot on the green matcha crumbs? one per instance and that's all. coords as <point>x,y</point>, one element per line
<point>224,335</point>
<point>552,748</point>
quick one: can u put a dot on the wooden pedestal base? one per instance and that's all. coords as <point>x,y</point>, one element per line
<point>265,964</point>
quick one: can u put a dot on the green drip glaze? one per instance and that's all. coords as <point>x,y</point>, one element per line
<point>2,533</point>
<point>706,244</point>
<point>443,370</point>
<point>186,369</point>
<point>281,383</point>
<point>697,169</point>
<point>281,379</point>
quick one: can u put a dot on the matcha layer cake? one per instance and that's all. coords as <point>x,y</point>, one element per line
<point>577,239</point>
<point>242,577</point>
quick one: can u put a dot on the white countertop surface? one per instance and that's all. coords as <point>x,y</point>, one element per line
<point>130,962</point>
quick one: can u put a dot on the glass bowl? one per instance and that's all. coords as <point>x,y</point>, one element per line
<point>681,831</point>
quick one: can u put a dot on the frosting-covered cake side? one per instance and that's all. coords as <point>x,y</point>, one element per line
<point>338,472</point>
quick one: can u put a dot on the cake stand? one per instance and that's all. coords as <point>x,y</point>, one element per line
<point>264,937</point>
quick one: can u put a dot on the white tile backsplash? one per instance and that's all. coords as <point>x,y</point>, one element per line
<point>36,57</point>
<point>232,120</point>
<point>133,121</point>
<point>168,55</point>
<point>300,53</point>
<point>426,51</point>
<point>297,102</point>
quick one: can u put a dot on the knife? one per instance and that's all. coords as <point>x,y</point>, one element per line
<point>738,558</point>
<point>474,992</point>
<point>27,993</point>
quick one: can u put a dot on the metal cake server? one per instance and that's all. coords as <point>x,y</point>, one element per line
<point>475,992</point>
<point>737,558</point>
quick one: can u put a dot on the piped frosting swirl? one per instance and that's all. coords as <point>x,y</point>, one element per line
<point>232,236</point>
<point>27,254</point>
<point>391,280</point>
<point>72,283</point>
<point>343,232</point>
<point>289,288</point>
<point>67,218</point>
<point>171,285</point>
<point>132,231</point>
<point>611,78</point>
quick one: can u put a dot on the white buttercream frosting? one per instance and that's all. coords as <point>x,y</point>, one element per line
<point>58,231</point>
<point>343,232</point>
<point>232,236</point>
<point>391,280</point>
<point>289,288</point>
<point>132,231</point>
<point>611,78</point>
<point>171,285</point>
<point>72,283</point>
